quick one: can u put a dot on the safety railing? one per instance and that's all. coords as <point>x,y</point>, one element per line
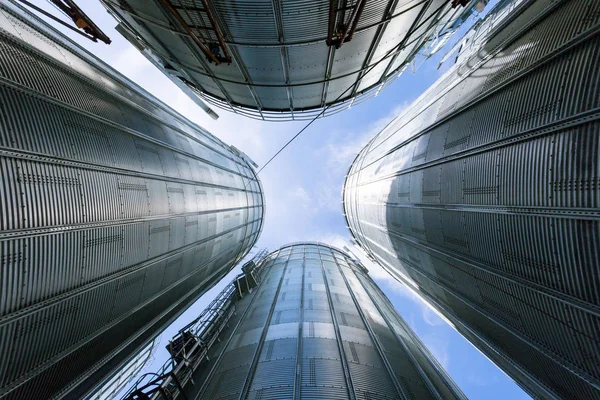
<point>191,344</point>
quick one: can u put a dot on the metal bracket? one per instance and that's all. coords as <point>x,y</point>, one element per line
<point>83,24</point>
<point>204,24</point>
<point>340,30</point>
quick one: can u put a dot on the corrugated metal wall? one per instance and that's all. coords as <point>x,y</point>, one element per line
<point>318,327</point>
<point>485,193</point>
<point>282,67</point>
<point>115,212</point>
<point>131,369</point>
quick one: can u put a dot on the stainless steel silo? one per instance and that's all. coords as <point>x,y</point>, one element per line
<point>485,195</point>
<point>116,213</point>
<point>282,60</point>
<point>305,322</point>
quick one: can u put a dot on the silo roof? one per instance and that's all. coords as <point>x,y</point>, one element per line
<point>281,60</point>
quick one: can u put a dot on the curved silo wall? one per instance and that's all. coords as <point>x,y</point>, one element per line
<point>485,195</point>
<point>318,327</point>
<point>116,213</point>
<point>281,66</point>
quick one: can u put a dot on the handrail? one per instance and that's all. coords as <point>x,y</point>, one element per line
<point>190,346</point>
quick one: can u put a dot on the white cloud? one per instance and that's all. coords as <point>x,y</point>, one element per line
<point>430,316</point>
<point>302,200</point>
<point>427,313</point>
<point>339,151</point>
<point>438,346</point>
<point>334,240</point>
<point>301,194</point>
<point>131,63</point>
<point>476,379</point>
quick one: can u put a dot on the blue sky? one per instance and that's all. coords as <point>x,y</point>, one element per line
<point>303,191</point>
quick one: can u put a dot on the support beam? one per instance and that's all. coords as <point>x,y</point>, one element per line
<point>359,10</point>
<point>285,64</point>
<point>415,25</point>
<point>211,18</point>
<point>340,31</point>
<point>378,35</point>
<point>173,11</point>
<point>235,57</point>
<point>84,25</point>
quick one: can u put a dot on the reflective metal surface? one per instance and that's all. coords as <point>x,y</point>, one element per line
<point>484,194</point>
<point>193,343</point>
<point>282,60</point>
<point>109,389</point>
<point>116,213</point>
<point>317,327</point>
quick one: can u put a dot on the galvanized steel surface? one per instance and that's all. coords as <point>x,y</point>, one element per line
<point>109,389</point>
<point>318,327</point>
<point>485,194</point>
<point>115,213</point>
<point>282,67</point>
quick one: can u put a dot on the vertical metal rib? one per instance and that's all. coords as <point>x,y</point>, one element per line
<point>414,26</point>
<point>299,355</point>
<point>199,58</point>
<point>496,220</point>
<point>418,367</point>
<point>285,63</point>
<point>336,326</point>
<point>375,340</point>
<point>380,30</point>
<point>246,389</point>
